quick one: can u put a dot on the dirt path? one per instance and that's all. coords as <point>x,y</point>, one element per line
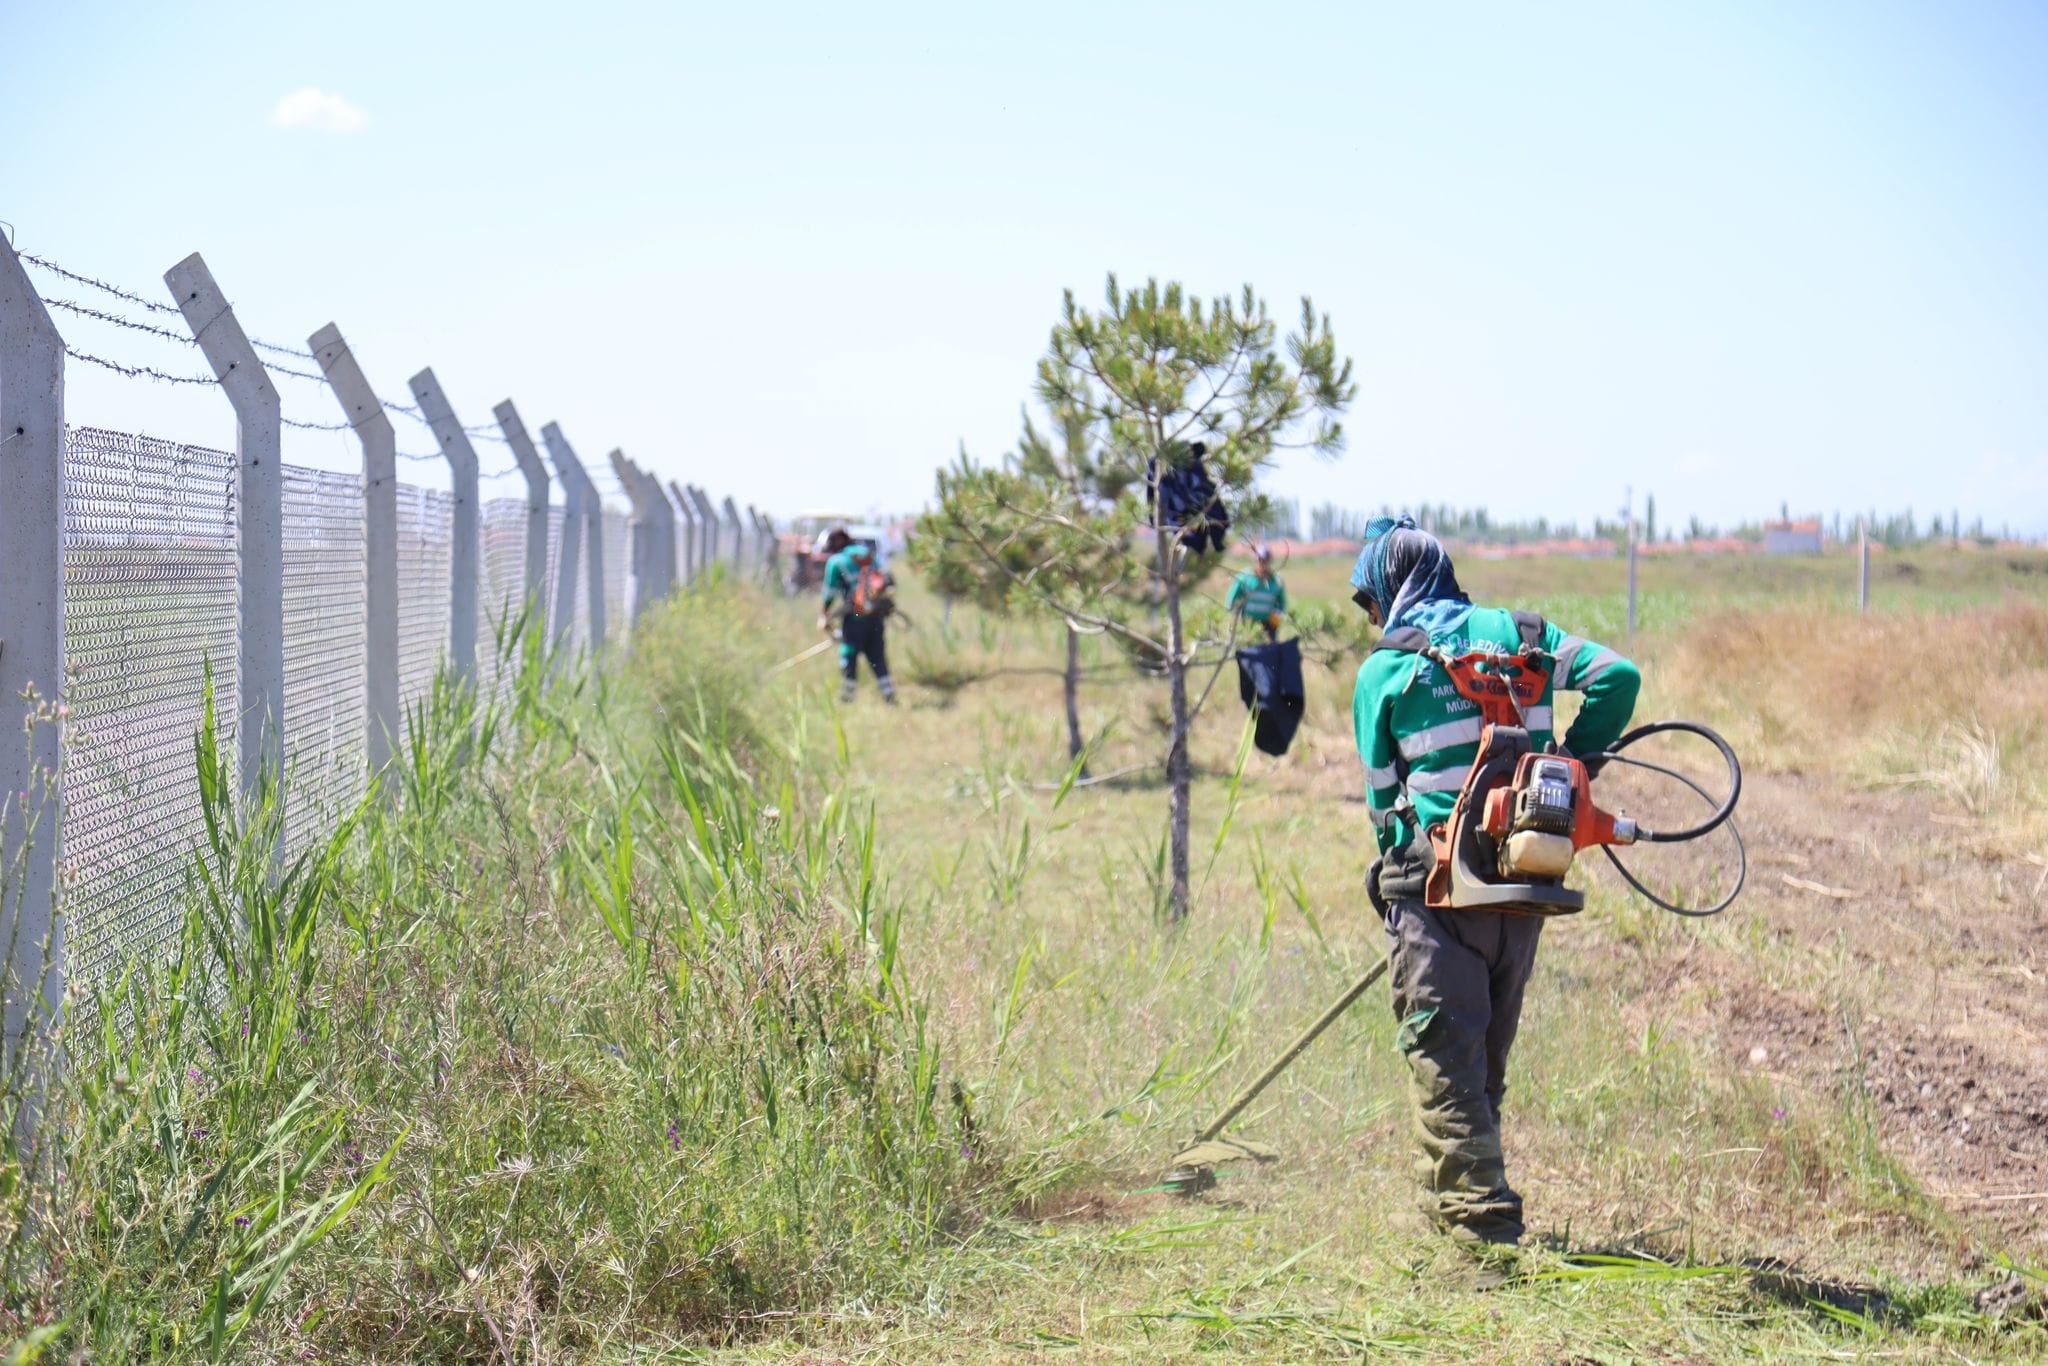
<point>1930,981</point>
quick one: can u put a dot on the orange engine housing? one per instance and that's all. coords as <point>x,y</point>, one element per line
<point>1590,825</point>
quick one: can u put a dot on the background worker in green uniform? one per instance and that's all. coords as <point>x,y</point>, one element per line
<point>1258,594</point>
<point>861,591</point>
<point>1457,976</point>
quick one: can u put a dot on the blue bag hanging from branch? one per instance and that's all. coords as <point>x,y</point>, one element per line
<point>1269,681</point>
<point>1187,499</point>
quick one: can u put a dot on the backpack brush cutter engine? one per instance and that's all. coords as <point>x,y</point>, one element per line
<point>1522,816</point>
<point>1520,819</point>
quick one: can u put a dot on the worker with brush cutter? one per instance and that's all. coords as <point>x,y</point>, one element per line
<point>859,596</point>
<point>1458,971</point>
<point>1258,594</point>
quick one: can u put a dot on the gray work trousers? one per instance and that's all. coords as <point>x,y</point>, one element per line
<point>1457,981</point>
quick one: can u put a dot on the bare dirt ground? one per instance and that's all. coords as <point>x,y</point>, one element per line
<point>1929,990</point>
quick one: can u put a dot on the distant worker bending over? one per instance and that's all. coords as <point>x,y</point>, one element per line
<point>859,596</point>
<point>1258,594</point>
<point>1457,975</point>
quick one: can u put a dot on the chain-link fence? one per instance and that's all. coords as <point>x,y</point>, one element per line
<point>501,585</point>
<point>325,721</point>
<point>149,607</point>
<point>129,571</point>
<point>617,561</point>
<point>426,542</point>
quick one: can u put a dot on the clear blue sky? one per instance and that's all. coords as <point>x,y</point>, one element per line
<point>1731,254</point>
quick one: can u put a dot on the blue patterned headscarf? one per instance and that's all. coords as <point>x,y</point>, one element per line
<point>1403,567</point>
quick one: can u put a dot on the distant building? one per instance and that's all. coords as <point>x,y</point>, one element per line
<point>1793,538</point>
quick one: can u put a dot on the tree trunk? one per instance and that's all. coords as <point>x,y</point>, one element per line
<point>1072,687</point>
<point>1179,776</point>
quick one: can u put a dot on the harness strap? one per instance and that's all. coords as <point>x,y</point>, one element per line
<point>1409,640</point>
<point>1413,640</point>
<point>1530,628</point>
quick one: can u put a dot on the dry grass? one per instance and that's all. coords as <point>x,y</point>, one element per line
<point>1953,701</point>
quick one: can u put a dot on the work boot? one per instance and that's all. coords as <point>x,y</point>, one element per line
<point>888,690</point>
<point>846,690</point>
<point>1481,1239</point>
<point>1474,1265</point>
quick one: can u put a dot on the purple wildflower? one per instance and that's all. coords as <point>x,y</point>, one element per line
<point>1777,1112</point>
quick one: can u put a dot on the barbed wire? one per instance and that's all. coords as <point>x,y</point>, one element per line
<point>99,315</point>
<point>136,371</point>
<point>151,304</point>
<point>263,345</point>
<point>150,329</point>
<point>481,474</point>
<point>482,431</point>
<point>150,372</point>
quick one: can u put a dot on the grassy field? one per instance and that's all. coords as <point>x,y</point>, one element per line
<point>683,1013</point>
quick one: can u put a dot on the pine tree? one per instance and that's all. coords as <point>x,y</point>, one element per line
<point>1131,387</point>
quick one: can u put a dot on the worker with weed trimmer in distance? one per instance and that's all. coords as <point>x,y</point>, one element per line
<point>1458,974</point>
<point>1258,594</point>
<point>859,596</point>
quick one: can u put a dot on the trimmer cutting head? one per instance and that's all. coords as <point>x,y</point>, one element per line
<point>1194,1168</point>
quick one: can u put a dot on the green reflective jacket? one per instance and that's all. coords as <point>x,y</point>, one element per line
<point>1256,598</point>
<point>1416,732</point>
<point>840,572</point>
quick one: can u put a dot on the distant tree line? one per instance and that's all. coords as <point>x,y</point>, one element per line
<point>1327,521</point>
<point>1897,531</point>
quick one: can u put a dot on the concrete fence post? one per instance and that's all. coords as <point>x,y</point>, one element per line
<point>689,529</point>
<point>664,531</point>
<point>31,656</point>
<point>536,471</point>
<point>699,536</point>
<point>707,522</point>
<point>739,539</point>
<point>466,551</point>
<point>570,551</point>
<point>590,510</point>
<point>1631,576</point>
<point>640,535</point>
<point>259,512</point>
<point>772,554</point>
<point>384,716</point>
<point>1862,565</point>
<point>764,542</point>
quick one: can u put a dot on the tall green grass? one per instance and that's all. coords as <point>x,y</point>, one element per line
<point>588,1027</point>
